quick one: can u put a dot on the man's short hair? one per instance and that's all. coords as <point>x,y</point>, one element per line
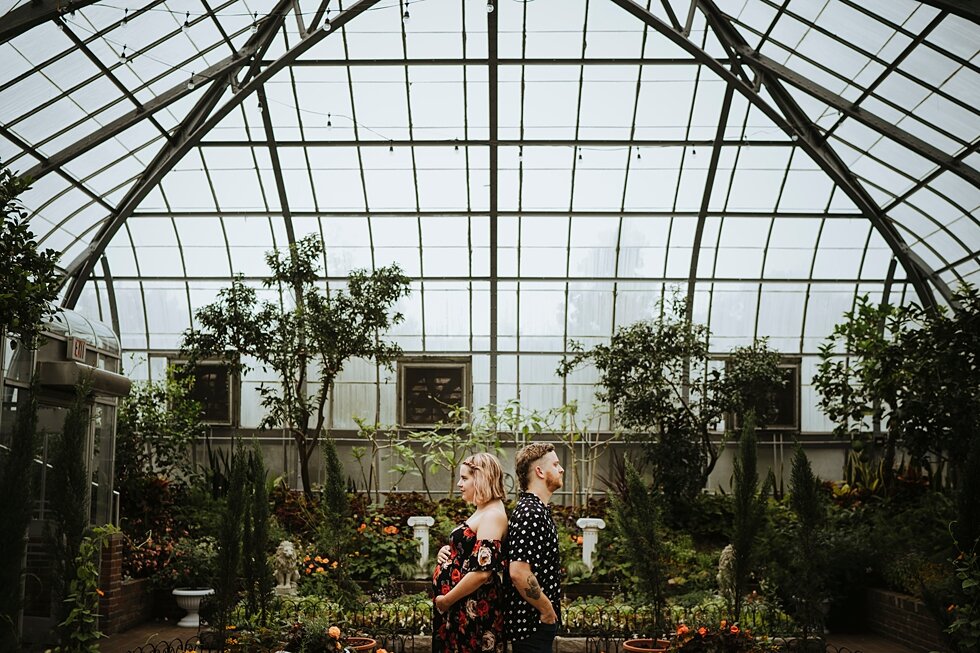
<point>488,477</point>
<point>526,458</point>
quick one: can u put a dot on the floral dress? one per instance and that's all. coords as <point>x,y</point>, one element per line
<point>476,622</point>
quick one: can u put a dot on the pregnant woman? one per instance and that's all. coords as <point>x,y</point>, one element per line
<point>468,579</point>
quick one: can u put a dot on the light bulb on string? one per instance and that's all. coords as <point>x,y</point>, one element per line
<point>638,157</point>
<point>406,17</point>
<point>329,123</point>
<point>125,19</point>
<point>391,148</point>
<point>122,54</point>
<point>490,7</point>
<point>187,23</point>
<point>255,22</point>
<point>694,152</point>
<point>190,82</point>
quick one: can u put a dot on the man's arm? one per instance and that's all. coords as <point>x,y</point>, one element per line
<point>529,589</point>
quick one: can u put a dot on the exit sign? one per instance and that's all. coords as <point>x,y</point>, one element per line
<point>76,349</point>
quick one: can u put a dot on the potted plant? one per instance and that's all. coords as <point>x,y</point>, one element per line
<point>189,571</point>
<point>315,636</point>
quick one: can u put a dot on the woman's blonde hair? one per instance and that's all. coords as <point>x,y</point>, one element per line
<point>488,477</point>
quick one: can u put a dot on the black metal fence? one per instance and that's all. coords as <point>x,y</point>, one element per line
<point>401,627</point>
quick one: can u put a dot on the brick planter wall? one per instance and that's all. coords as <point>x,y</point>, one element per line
<point>126,603</point>
<point>904,619</point>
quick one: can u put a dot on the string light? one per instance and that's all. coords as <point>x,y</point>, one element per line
<point>490,7</point>
<point>125,20</point>
<point>190,82</point>
<point>391,148</point>
<point>122,54</point>
<point>255,22</point>
<point>694,152</point>
<point>406,16</point>
<point>638,157</point>
<point>187,23</point>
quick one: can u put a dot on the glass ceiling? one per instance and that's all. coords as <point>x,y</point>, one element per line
<point>571,160</point>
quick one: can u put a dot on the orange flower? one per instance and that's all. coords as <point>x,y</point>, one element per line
<point>950,607</point>
<point>306,559</point>
<point>333,565</point>
<point>381,650</point>
<point>734,630</point>
<point>579,540</point>
<point>100,592</point>
<point>683,630</point>
<point>360,529</point>
<point>724,623</point>
<point>334,632</point>
<point>702,631</point>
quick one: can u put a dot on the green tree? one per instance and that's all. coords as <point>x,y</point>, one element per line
<point>912,375</point>
<point>29,282</point>
<point>157,422</point>
<point>315,329</point>
<point>28,285</point>
<point>657,377</point>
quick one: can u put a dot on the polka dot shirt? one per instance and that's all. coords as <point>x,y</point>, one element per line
<point>532,537</point>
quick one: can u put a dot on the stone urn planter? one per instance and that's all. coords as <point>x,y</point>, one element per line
<point>189,599</point>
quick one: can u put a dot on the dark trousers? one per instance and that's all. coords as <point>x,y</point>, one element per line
<point>541,640</point>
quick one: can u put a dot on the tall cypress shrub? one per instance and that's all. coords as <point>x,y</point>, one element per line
<point>255,563</point>
<point>229,563</point>
<point>637,521</point>
<point>70,494</point>
<point>809,581</point>
<point>750,514</point>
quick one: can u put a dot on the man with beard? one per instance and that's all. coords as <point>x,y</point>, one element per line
<point>533,582</point>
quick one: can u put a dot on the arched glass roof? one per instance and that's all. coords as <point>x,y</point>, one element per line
<point>543,171</point>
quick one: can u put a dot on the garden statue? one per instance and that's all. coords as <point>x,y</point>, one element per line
<point>726,574</point>
<point>286,565</point>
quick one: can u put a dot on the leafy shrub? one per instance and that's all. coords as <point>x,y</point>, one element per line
<point>382,549</point>
<point>399,507</point>
<point>191,563</point>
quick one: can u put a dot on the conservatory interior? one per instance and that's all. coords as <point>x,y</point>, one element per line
<point>273,269</point>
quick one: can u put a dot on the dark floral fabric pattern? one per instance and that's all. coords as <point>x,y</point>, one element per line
<point>476,622</point>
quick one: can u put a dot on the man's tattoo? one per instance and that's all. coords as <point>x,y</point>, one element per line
<point>533,589</point>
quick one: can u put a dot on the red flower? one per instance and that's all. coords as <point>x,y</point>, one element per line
<point>445,588</point>
<point>455,576</point>
<point>482,607</point>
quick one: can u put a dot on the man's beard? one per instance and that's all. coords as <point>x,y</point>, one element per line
<point>554,482</point>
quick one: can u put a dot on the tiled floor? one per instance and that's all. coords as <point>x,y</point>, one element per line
<point>869,644</point>
<point>148,633</point>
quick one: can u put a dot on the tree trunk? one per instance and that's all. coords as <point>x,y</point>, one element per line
<point>305,453</point>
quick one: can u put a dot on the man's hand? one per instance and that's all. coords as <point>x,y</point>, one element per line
<point>442,604</point>
<point>548,616</point>
<point>443,554</point>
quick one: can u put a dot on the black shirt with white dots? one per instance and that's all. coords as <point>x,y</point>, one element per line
<point>532,537</point>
